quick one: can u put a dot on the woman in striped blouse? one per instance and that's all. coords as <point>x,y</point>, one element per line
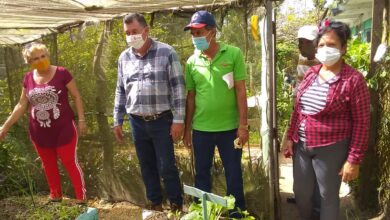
<point>328,132</point>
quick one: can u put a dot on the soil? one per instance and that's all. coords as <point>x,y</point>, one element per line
<point>22,208</point>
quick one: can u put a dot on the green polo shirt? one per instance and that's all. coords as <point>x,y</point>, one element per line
<point>215,98</point>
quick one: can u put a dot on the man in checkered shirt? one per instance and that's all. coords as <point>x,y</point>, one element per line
<point>151,91</point>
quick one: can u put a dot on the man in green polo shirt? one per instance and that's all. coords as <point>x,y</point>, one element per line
<point>216,112</point>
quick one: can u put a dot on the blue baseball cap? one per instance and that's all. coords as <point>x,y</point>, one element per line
<point>201,19</point>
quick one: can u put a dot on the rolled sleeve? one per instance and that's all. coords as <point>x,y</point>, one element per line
<point>360,111</point>
<point>120,99</point>
<point>177,88</point>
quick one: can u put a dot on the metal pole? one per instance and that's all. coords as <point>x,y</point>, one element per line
<point>270,117</point>
<point>204,204</point>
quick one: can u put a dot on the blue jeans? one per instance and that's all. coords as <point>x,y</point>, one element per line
<point>154,147</point>
<point>204,145</point>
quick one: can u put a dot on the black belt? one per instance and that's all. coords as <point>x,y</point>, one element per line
<point>151,117</point>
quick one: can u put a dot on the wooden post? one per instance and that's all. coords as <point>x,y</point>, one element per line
<point>376,32</point>
<point>275,122</point>
<point>369,182</point>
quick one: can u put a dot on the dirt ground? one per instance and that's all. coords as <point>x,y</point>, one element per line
<point>21,208</point>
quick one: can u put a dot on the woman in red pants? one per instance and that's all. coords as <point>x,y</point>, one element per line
<point>51,123</point>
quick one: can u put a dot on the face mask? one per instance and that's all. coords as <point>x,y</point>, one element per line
<point>41,65</point>
<point>136,41</point>
<point>328,55</point>
<point>200,43</point>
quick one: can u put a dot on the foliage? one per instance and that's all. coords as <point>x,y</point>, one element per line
<point>383,141</point>
<point>233,32</point>
<point>18,170</point>
<point>287,57</point>
<point>76,52</point>
<point>287,24</point>
<point>358,55</point>
<point>214,211</point>
<point>60,212</point>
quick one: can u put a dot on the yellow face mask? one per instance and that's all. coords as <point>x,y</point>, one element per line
<point>41,65</point>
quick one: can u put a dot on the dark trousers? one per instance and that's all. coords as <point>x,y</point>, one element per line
<point>154,147</point>
<point>320,165</point>
<point>204,145</point>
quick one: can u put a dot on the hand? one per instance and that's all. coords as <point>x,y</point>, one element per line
<point>119,134</point>
<point>3,133</point>
<point>287,148</point>
<point>243,136</point>
<point>188,139</point>
<point>82,128</point>
<point>177,131</point>
<point>349,172</point>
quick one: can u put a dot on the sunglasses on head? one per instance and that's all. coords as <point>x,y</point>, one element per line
<point>329,23</point>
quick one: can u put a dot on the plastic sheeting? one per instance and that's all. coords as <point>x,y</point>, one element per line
<point>22,21</point>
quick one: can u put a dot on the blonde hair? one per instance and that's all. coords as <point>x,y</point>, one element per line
<point>31,47</point>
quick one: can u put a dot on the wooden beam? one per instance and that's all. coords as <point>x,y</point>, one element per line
<point>369,183</point>
<point>376,33</point>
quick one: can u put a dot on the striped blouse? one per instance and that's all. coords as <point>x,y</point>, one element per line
<point>313,101</point>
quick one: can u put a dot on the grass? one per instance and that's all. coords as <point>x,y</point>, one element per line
<point>25,208</point>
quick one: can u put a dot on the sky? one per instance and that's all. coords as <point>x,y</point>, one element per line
<point>297,6</point>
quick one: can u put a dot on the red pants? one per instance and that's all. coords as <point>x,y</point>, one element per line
<point>68,156</point>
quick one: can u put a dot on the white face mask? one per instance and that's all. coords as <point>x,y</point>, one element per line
<point>136,41</point>
<point>328,55</point>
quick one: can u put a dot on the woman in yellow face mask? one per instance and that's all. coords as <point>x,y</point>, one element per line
<point>52,125</point>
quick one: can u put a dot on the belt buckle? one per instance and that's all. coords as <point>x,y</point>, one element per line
<point>150,117</point>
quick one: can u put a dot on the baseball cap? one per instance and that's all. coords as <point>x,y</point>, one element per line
<point>201,19</point>
<point>308,32</point>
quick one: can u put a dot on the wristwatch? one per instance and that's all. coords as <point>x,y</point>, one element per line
<point>244,127</point>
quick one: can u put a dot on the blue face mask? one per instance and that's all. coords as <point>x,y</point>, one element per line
<point>200,43</point>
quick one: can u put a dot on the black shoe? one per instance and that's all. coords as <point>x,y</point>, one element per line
<point>291,200</point>
<point>156,207</point>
